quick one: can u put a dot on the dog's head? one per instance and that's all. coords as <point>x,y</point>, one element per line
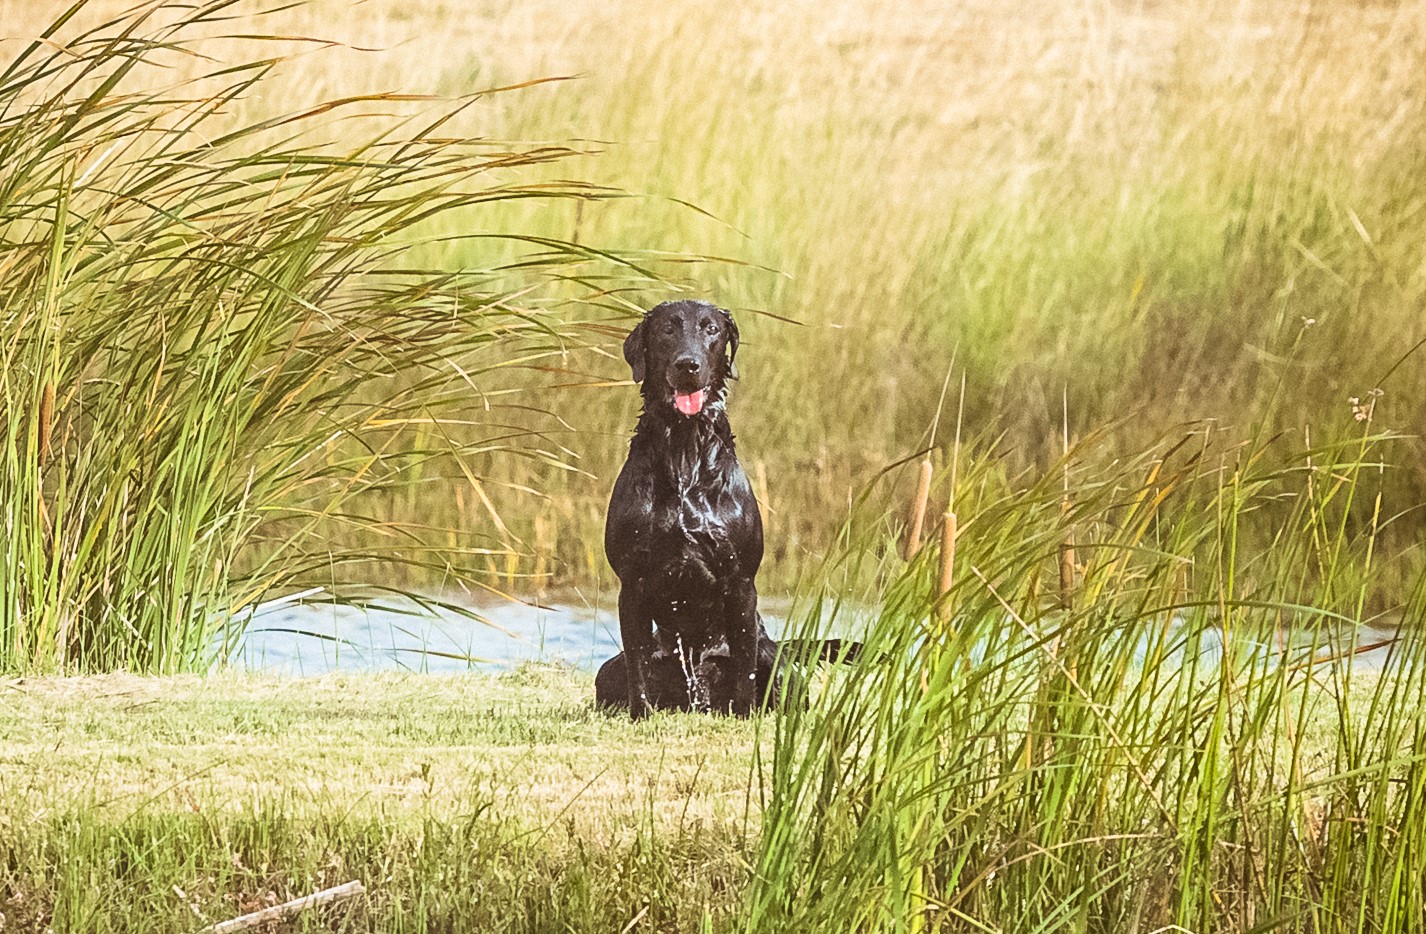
<point>683,353</point>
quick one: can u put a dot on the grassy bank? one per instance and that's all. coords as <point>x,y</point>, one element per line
<point>1129,693</point>
<point>505,803</point>
<point>1093,708</point>
<point>469,803</point>
<point>1097,706</point>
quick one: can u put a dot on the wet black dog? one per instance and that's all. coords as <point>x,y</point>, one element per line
<point>684,534</point>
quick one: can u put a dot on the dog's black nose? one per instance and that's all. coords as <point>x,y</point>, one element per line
<point>686,365</point>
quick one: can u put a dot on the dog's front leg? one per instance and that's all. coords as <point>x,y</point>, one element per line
<point>636,628</point>
<point>741,619</point>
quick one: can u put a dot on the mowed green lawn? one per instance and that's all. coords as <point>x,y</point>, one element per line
<point>463,803</point>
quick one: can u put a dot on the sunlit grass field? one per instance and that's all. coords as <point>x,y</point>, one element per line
<point>1157,212</point>
<point>1133,213</point>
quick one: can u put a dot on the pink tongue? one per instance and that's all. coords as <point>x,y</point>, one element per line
<point>689,403</point>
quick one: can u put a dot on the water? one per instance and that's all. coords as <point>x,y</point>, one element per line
<point>310,638</point>
<point>300,636</point>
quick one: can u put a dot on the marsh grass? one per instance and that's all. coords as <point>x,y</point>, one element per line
<point>218,354</point>
<point>1200,741</point>
<point>1193,744</point>
<point>1168,212</point>
<point>1140,705</point>
<point>1141,207</point>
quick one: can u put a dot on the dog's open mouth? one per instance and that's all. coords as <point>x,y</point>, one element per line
<point>690,403</point>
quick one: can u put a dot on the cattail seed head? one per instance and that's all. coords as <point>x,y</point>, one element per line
<point>917,518</point>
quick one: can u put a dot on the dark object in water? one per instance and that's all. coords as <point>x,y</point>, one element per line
<point>684,533</point>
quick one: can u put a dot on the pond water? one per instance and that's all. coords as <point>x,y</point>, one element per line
<point>301,636</point>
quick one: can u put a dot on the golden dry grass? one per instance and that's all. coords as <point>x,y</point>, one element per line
<point>1137,205</point>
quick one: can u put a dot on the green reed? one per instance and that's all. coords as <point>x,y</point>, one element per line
<point>1196,742</point>
<point>217,351</point>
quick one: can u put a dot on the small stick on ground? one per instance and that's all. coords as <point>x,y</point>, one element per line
<point>287,909</point>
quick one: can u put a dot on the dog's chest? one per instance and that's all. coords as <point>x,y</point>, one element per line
<point>682,513</point>
<point>686,535</point>
<point>692,525</point>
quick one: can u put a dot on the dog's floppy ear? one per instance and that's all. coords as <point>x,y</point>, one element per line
<point>634,349</point>
<point>732,341</point>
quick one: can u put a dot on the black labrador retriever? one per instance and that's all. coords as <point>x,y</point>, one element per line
<point>684,534</point>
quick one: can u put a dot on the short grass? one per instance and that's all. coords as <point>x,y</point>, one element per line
<point>476,802</point>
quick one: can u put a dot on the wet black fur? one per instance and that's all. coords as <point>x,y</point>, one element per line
<point>684,534</point>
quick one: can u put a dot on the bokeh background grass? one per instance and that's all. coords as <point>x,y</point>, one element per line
<point>1160,212</point>
<point>1134,213</point>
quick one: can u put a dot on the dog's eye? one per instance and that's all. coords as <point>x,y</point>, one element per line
<point>710,327</point>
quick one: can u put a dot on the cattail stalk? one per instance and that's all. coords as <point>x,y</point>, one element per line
<point>46,423</point>
<point>1066,583</point>
<point>760,490</point>
<point>1067,546</point>
<point>948,563</point>
<point>918,511</point>
<point>1067,572</point>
